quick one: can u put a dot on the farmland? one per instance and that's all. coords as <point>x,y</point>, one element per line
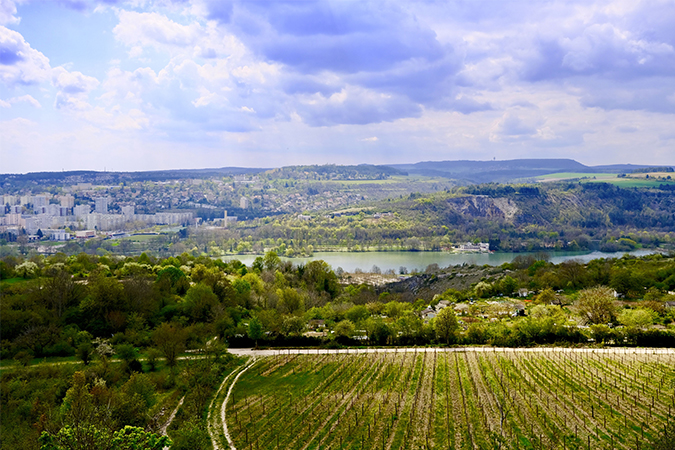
<point>456,399</point>
<point>640,180</point>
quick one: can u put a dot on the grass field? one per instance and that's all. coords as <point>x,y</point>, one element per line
<point>453,400</point>
<point>577,175</point>
<point>636,180</point>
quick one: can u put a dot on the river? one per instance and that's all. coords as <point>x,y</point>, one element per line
<point>350,261</point>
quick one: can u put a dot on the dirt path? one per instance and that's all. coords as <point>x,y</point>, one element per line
<point>162,430</point>
<point>308,351</point>
<point>210,422</point>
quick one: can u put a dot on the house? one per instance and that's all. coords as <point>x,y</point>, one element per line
<point>315,334</point>
<point>85,234</point>
<point>428,313</point>
<point>462,309</point>
<point>316,324</point>
<point>518,310</point>
<point>483,247</point>
<point>442,304</point>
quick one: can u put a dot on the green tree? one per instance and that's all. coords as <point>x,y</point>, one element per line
<point>255,330</point>
<point>596,305</point>
<point>445,325</point>
<point>293,325</point>
<point>636,318</point>
<point>199,302</point>
<point>128,438</point>
<point>85,351</point>
<point>508,285</point>
<point>290,301</point>
<point>344,328</point>
<point>271,261</point>
<point>170,339</point>
<point>321,277</point>
<point>545,297</point>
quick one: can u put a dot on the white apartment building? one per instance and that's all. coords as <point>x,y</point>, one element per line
<point>39,201</point>
<point>81,210</point>
<point>67,201</point>
<point>102,205</point>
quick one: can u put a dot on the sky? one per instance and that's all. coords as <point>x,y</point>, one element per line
<point>160,84</point>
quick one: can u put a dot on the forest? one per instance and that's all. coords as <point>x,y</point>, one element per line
<point>140,333</point>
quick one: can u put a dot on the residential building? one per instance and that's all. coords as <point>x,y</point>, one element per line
<point>81,210</point>
<point>39,201</point>
<point>101,205</point>
<point>67,201</point>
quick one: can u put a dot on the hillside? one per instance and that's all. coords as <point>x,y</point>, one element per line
<point>467,172</point>
<point>508,170</point>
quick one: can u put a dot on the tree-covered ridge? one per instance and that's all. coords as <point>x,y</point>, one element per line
<point>567,216</point>
<point>653,169</point>
<point>334,172</point>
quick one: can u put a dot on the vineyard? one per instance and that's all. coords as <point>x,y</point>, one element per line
<point>438,399</point>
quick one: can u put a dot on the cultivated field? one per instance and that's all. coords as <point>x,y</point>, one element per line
<point>629,181</point>
<point>438,399</point>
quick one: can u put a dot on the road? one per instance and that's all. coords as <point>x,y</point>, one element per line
<point>360,351</point>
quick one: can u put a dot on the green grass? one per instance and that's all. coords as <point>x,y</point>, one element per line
<point>141,238</point>
<point>577,175</point>
<point>611,178</point>
<point>633,182</point>
<point>15,280</point>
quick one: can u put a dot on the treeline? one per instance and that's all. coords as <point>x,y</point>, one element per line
<point>60,306</point>
<point>334,172</point>
<point>653,169</point>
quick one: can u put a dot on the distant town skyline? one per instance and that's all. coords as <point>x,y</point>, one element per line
<point>160,84</point>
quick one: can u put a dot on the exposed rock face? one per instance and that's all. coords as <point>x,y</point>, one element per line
<point>484,206</point>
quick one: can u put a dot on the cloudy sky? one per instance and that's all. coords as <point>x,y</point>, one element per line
<point>143,84</point>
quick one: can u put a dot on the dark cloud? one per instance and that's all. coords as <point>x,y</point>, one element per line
<point>375,45</point>
<point>298,84</point>
<point>467,105</point>
<point>656,94</point>
<point>356,109</point>
<point>9,55</point>
<point>220,10</point>
<point>422,82</point>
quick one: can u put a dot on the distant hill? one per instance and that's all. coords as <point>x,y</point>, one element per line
<point>465,172</point>
<point>90,176</point>
<point>504,171</point>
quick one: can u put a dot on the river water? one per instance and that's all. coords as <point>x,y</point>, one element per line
<point>350,261</point>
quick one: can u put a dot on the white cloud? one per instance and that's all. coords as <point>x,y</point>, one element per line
<point>73,89</point>
<point>8,12</point>
<point>24,98</point>
<point>153,29</point>
<point>19,63</point>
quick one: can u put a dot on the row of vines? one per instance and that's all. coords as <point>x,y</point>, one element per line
<point>453,400</point>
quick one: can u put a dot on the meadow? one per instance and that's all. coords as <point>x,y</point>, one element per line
<point>454,399</point>
<point>628,181</point>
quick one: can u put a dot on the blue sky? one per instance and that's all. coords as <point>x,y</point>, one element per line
<point>142,84</point>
